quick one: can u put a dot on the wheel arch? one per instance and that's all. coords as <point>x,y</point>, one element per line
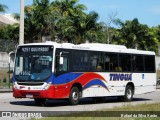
<point>79,86</point>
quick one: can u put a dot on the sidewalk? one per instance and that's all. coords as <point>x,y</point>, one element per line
<point>4,90</point>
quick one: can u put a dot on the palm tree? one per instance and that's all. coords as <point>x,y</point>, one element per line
<point>65,12</point>
<point>64,19</point>
<point>3,8</point>
<point>38,20</point>
<point>73,24</point>
<point>136,35</point>
<point>86,27</point>
<point>67,7</point>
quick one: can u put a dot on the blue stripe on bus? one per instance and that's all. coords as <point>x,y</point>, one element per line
<point>65,78</point>
<point>95,82</point>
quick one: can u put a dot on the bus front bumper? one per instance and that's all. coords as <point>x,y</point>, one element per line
<point>51,93</point>
<point>48,94</point>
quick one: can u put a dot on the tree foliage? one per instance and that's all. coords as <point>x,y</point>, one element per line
<point>3,8</point>
<point>135,35</point>
<point>10,32</point>
<point>64,19</point>
<point>37,20</point>
<point>9,36</point>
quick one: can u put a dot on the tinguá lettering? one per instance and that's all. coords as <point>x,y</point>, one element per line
<point>120,77</point>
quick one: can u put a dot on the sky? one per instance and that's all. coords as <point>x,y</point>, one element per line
<point>147,11</point>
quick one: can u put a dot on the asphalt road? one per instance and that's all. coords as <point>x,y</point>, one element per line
<point>9,103</point>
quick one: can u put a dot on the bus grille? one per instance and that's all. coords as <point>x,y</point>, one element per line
<point>30,83</point>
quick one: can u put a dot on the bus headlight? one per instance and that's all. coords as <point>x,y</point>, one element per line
<point>15,86</point>
<point>47,86</point>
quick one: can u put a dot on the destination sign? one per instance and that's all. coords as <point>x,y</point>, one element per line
<point>27,49</point>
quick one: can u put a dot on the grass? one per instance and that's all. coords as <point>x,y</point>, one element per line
<point>96,118</point>
<point>152,108</point>
<point>140,107</point>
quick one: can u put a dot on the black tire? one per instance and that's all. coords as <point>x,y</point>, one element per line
<point>74,96</point>
<point>128,95</point>
<point>40,101</point>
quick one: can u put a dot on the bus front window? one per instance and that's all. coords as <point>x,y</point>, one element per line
<point>33,67</point>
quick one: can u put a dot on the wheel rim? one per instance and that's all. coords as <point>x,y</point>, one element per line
<point>129,93</point>
<point>75,96</point>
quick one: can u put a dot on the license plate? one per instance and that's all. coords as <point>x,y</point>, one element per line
<point>29,96</point>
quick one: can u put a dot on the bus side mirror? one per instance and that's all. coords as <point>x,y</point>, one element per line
<point>61,59</point>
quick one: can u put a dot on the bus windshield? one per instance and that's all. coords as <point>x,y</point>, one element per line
<point>33,66</point>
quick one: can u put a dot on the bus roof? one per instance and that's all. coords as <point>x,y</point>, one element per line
<point>94,47</point>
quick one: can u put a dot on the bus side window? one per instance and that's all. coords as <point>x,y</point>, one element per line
<point>80,60</point>
<point>149,63</point>
<point>125,62</point>
<point>61,67</point>
<point>111,61</point>
<point>136,60</point>
<point>96,61</point>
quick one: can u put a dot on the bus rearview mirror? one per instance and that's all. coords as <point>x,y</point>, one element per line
<point>61,61</point>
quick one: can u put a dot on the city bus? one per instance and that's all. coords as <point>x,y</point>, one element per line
<point>51,70</point>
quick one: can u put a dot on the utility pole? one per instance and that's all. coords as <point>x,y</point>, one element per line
<point>21,31</point>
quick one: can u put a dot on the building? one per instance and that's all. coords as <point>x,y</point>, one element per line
<point>7,19</point>
<point>6,58</point>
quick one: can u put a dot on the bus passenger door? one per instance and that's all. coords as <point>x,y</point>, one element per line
<point>62,76</point>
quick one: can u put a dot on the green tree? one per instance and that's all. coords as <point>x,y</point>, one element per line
<point>3,8</point>
<point>67,13</point>
<point>136,35</point>
<point>86,27</point>
<point>38,20</point>
<point>157,30</point>
<point>64,19</point>
<point>10,32</point>
<point>9,36</point>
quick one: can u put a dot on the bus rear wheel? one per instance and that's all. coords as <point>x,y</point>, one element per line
<point>128,94</point>
<point>74,96</point>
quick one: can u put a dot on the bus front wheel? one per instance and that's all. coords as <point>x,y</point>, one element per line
<point>74,96</point>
